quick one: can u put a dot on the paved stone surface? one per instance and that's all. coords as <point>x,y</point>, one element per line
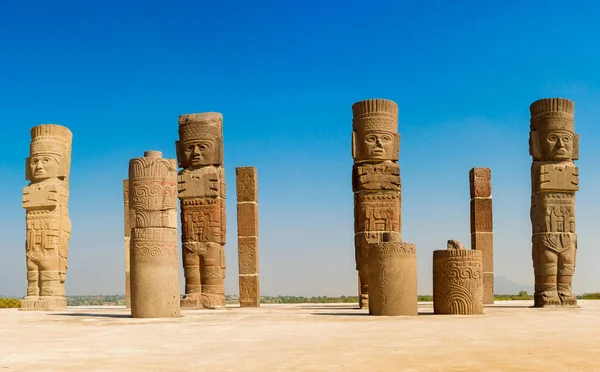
<point>303,337</point>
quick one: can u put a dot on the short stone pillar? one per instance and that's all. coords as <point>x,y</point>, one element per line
<point>457,280</point>
<point>392,278</point>
<point>247,222</point>
<point>154,255</point>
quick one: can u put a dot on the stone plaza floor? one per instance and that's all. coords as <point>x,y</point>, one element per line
<point>510,336</point>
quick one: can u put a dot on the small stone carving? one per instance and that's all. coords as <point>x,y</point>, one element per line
<point>154,254</point>
<point>201,190</point>
<point>247,220</point>
<point>392,277</point>
<point>375,180</point>
<point>457,280</point>
<point>482,237</point>
<point>553,146</point>
<point>45,200</point>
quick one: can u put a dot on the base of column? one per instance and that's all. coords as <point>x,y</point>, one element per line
<point>44,303</point>
<point>201,302</point>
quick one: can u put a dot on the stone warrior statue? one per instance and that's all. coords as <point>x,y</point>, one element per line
<point>201,190</point>
<point>553,146</point>
<point>47,216</point>
<point>375,180</point>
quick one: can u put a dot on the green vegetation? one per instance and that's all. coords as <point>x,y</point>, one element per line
<point>521,296</point>
<point>10,303</point>
<point>114,300</point>
<point>589,296</point>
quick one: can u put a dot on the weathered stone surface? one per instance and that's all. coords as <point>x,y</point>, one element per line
<point>154,255</point>
<point>201,190</point>
<point>482,238</point>
<point>375,180</point>
<point>126,214</point>
<point>480,180</point>
<point>48,226</point>
<point>246,184</point>
<point>481,215</point>
<point>457,282</point>
<point>247,221</point>
<point>392,284</point>
<point>249,291</point>
<point>553,146</point>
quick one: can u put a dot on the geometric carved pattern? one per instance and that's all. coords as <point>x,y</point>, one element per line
<point>154,265</point>
<point>457,282</point>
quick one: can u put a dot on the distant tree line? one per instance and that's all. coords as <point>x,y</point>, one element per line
<point>119,300</point>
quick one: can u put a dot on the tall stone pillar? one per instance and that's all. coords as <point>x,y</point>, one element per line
<point>457,280</point>
<point>247,222</point>
<point>482,236</point>
<point>154,257</point>
<point>201,190</point>
<point>553,146</point>
<point>375,181</point>
<point>46,200</point>
<point>127,243</point>
<point>392,278</point>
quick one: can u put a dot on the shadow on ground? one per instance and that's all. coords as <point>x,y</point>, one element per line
<point>95,315</point>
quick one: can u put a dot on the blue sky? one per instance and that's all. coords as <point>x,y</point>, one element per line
<point>285,75</point>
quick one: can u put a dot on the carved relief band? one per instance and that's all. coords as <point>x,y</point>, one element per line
<point>247,220</point>
<point>201,190</point>
<point>457,282</point>
<point>553,146</point>
<point>48,226</point>
<point>482,236</point>
<point>154,255</point>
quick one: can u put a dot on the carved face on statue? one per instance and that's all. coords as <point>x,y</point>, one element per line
<point>199,152</point>
<point>378,145</point>
<point>43,166</point>
<point>557,144</point>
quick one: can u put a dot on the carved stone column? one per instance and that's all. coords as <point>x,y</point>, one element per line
<point>392,278</point>
<point>201,190</point>
<point>482,236</point>
<point>154,257</point>
<point>127,244</point>
<point>247,221</point>
<point>553,146</point>
<point>375,180</point>
<point>48,228</point>
<point>457,280</point>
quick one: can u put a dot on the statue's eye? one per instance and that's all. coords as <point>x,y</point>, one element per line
<point>34,161</point>
<point>552,137</point>
<point>46,160</point>
<point>567,139</point>
<point>371,139</point>
<point>189,148</point>
<point>386,139</point>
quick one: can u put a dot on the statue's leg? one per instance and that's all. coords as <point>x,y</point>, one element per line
<point>545,270</point>
<point>362,260</point>
<point>191,271</point>
<point>33,279</point>
<point>566,269</point>
<point>212,275</point>
<point>50,284</point>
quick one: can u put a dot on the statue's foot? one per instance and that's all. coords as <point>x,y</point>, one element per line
<point>364,301</point>
<point>546,299</point>
<point>567,299</point>
<point>202,301</point>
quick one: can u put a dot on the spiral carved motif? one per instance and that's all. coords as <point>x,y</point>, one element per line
<point>457,282</point>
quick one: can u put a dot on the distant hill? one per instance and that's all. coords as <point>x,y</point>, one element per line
<point>503,285</point>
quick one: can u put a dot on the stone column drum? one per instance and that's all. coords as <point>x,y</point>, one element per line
<point>48,226</point>
<point>247,222</point>
<point>154,256</point>
<point>201,190</point>
<point>392,272</point>
<point>553,146</point>
<point>457,281</point>
<point>375,180</point>
<point>482,236</point>
<point>127,243</point>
